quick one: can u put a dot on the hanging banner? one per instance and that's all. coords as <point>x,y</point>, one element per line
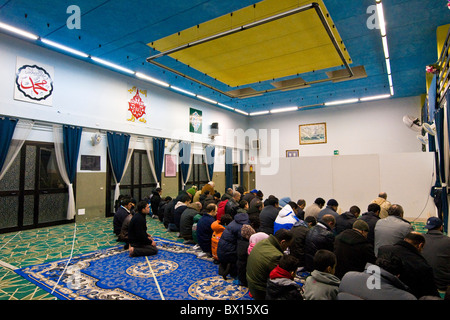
<point>195,120</point>
<point>137,105</point>
<point>33,82</point>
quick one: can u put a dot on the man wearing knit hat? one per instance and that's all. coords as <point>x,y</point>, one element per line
<point>352,249</point>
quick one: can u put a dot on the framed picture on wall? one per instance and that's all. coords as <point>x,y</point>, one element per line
<point>291,153</point>
<point>170,166</point>
<point>313,133</point>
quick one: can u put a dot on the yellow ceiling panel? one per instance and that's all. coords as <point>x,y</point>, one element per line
<point>294,44</point>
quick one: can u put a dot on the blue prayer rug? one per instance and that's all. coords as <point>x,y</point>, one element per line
<point>111,274</point>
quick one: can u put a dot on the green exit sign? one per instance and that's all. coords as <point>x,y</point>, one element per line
<point>336,152</point>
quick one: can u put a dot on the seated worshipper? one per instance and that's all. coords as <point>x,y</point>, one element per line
<point>162,205</point>
<point>381,200</point>
<point>169,222</point>
<point>123,236</point>
<point>416,273</point>
<point>284,201</point>
<point>263,258</point>
<point>268,215</point>
<point>250,196</point>
<point>437,252</point>
<point>209,187</point>
<point>322,284</point>
<point>227,248</point>
<point>352,249</point>
<point>233,204</point>
<point>390,230</point>
<point>286,217</point>
<point>371,217</point>
<point>331,208</point>
<point>178,211</point>
<point>243,207</point>
<point>377,282</point>
<point>301,209</point>
<point>259,197</point>
<point>155,201</point>
<point>218,227</point>
<point>141,243</point>
<point>254,239</point>
<point>204,231</point>
<point>281,284</point>
<point>299,231</point>
<point>314,209</point>
<point>122,212</point>
<point>187,221</point>
<point>321,236</point>
<point>253,214</point>
<point>227,195</point>
<point>345,221</point>
<point>221,208</point>
<point>241,251</point>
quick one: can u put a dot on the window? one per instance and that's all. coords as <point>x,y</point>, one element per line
<point>32,192</point>
<point>198,176</point>
<point>137,181</point>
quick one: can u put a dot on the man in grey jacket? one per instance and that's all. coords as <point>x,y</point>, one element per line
<point>390,230</point>
<point>377,282</point>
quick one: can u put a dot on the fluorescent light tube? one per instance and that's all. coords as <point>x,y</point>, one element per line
<point>145,77</point>
<point>240,111</point>
<point>332,103</point>
<point>18,31</point>
<point>385,47</point>
<point>225,106</point>
<point>382,96</point>
<point>62,47</point>
<point>382,23</point>
<point>183,91</point>
<point>112,65</point>
<point>207,99</point>
<point>392,90</point>
<point>287,109</point>
<point>390,80</point>
<point>259,113</point>
<point>388,66</point>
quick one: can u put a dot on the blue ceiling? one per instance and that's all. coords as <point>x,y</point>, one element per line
<point>118,31</point>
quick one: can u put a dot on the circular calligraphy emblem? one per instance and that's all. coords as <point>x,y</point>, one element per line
<point>159,267</point>
<point>34,82</point>
<point>216,288</point>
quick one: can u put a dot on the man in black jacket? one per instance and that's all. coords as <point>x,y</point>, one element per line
<point>319,237</point>
<point>268,215</point>
<point>141,243</point>
<point>416,273</point>
<point>371,217</point>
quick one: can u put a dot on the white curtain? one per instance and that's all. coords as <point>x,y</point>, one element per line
<point>59,153</point>
<point>131,145</point>
<point>21,132</point>
<point>191,157</point>
<point>149,148</point>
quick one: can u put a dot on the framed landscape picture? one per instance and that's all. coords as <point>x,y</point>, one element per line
<point>313,133</point>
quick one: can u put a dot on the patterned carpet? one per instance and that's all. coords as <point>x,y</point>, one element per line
<point>32,247</point>
<point>39,246</point>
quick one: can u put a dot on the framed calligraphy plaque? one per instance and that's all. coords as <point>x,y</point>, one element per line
<point>33,82</point>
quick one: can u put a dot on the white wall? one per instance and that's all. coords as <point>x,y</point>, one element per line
<point>377,152</point>
<point>97,99</point>
<point>362,128</point>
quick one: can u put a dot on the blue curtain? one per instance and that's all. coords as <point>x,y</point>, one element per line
<point>7,127</point>
<point>439,121</point>
<point>210,154</point>
<point>158,156</point>
<point>118,149</point>
<point>432,99</point>
<point>228,168</point>
<point>71,148</point>
<point>185,160</point>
